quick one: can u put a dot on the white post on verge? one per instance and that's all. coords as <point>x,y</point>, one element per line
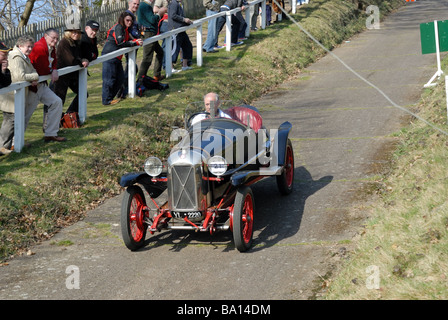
<point>82,95</point>
<point>263,15</point>
<point>199,45</point>
<point>439,71</point>
<point>248,21</point>
<point>168,58</point>
<point>228,30</point>
<point>19,119</point>
<point>131,74</point>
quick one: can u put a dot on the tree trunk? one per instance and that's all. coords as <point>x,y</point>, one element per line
<point>26,13</point>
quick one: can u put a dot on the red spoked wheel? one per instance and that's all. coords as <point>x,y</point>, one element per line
<point>243,219</point>
<point>285,181</point>
<point>133,226</point>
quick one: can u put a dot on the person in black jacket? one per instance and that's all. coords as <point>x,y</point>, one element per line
<point>113,73</point>
<point>5,74</point>
<point>89,42</point>
<point>69,54</point>
<point>177,19</point>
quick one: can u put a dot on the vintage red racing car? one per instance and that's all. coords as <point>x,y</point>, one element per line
<point>207,177</point>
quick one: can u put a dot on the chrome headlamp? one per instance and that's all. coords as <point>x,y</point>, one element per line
<point>153,166</point>
<point>217,165</point>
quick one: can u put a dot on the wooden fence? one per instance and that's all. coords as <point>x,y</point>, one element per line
<point>106,16</point>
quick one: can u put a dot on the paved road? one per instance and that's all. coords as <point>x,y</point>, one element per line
<point>340,133</point>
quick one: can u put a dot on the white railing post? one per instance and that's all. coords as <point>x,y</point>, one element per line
<point>294,6</point>
<point>263,15</point>
<point>19,119</point>
<point>168,58</point>
<point>131,74</point>
<point>82,95</point>
<point>228,30</point>
<point>199,45</point>
<point>248,18</point>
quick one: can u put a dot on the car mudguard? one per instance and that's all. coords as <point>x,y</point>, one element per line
<point>280,142</point>
<point>154,188</point>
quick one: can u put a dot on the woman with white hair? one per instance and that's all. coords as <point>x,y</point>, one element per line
<point>21,70</point>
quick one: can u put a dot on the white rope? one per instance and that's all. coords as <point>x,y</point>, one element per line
<point>357,74</point>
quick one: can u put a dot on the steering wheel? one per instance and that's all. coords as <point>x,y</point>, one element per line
<point>190,119</point>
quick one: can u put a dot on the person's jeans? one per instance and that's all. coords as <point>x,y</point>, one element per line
<point>212,36</point>
<point>221,21</point>
<point>113,77</point>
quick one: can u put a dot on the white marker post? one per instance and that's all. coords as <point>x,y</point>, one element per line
<point>439,71</point>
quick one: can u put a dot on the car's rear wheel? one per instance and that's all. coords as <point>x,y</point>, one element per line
<point>133,226</point>
<point>243,219</point>
<point>285,181</point>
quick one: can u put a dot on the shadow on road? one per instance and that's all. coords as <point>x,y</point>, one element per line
<point>276,217</point>
<point>279,217</point>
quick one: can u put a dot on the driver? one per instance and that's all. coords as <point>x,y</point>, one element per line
<point>210,99</point>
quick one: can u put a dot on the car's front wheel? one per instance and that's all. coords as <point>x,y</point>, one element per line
<point>243,219</point>
<point>133,226</point>
<point>285,181</point>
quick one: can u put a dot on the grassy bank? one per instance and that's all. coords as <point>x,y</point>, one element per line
<point>51,185</point>
<point>406,238</point>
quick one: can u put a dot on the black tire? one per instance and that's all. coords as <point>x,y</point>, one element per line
<point>243,219</point>
<point>133,227</point>
<point>285,181</point>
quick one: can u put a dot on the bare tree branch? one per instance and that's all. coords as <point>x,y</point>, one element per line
<point>26,13</point>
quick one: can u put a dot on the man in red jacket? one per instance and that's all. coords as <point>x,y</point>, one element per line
<point>43,58</point>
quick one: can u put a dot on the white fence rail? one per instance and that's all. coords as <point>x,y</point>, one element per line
<point>19,87</point>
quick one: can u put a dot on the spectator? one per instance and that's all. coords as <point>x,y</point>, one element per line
<point>149,22</point>
<point>5,74</point>
<point>211,8</point>
<point>5,80</point>
<point>113,74</point>
<point>21,70</point>
<point>69,54</point>
<point>221,21</point>
<point>43,55</point>
<point>163,26</point>
<point>89,42</point>
<point>243,26</point>
<point>134,30</point>
<point>44,60</point>
<point>254,12</point>
<point>177,19</point>
<point>134,33</point>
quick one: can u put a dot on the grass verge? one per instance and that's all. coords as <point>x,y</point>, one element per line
<point>402,253</point>
<point>48,186</point>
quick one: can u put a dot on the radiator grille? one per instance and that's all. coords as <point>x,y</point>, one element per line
<point>184,188</point>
